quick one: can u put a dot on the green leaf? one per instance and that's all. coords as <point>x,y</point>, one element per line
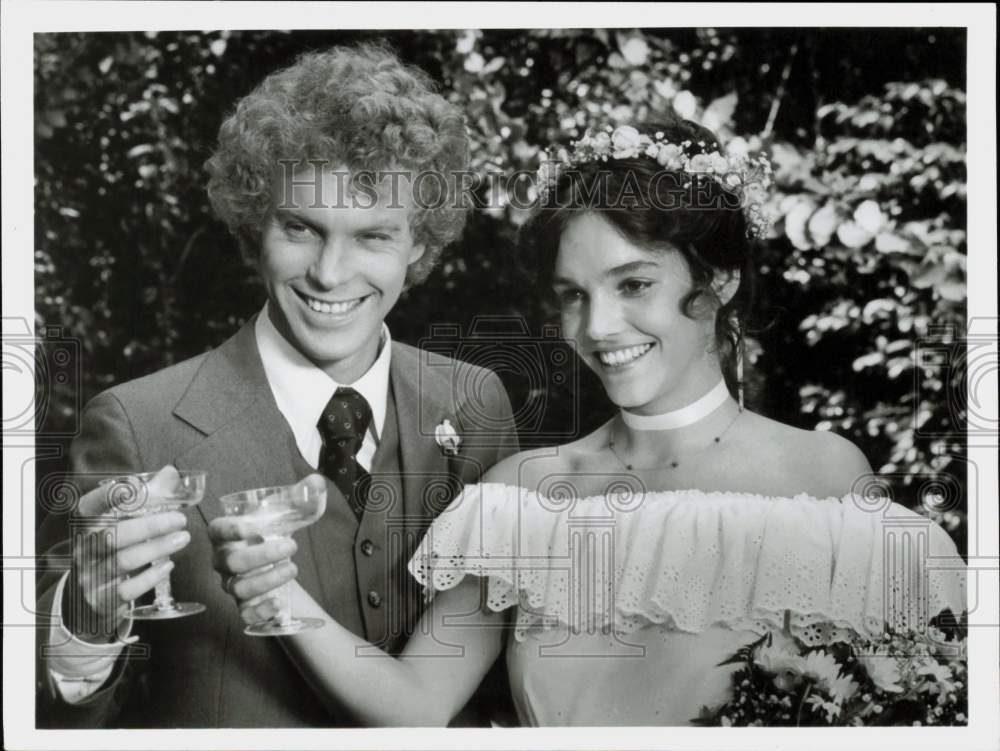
<point>719,113</point>
<point>853,235</point>
<point>494,65</point>
<point>890,242</point>
<point>823,224</point>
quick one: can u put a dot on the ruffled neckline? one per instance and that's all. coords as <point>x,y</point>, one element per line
<point>691,559</point>
<point>713,494</point>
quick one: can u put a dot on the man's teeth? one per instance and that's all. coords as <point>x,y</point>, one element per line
<point>333,307</point>
<point>623,356</point>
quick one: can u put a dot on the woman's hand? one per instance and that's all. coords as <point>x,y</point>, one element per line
<point>253,570</point>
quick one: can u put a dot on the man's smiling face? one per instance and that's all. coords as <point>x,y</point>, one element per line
<point>334,267</point>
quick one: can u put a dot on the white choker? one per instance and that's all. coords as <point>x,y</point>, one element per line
<point>680,418</point>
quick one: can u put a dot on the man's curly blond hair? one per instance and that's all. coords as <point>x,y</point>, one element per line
<point>359,107</point>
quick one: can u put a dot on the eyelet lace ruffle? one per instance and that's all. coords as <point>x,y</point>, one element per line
<point>691,560</point>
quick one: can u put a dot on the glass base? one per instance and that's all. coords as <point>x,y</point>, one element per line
<point>156,613</point>
<point>272,628</point>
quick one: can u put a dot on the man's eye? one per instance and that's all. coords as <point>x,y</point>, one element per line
<point>295,228</point>
<point>375,236</point>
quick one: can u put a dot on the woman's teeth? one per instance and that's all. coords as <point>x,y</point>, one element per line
<point>621,357</point>
<point>333,308</point>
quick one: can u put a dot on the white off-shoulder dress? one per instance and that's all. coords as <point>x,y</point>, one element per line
<point>627,602</point>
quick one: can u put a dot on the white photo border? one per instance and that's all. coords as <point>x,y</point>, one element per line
<point>20,20</point>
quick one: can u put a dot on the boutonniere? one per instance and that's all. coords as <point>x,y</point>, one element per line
<point>447,437</point>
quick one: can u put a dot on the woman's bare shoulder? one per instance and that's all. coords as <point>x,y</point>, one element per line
<point>533,468</point>
<point>820,462</point>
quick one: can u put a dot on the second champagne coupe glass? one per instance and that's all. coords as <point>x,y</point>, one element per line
<point>153,493</point>
<point>274,514</point>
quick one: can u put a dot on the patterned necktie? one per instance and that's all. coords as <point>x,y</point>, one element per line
<point>342,426</point>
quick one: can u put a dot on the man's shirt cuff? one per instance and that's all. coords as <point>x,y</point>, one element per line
<point>79,668</point>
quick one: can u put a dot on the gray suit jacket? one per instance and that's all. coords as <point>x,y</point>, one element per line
<point>216,412</point>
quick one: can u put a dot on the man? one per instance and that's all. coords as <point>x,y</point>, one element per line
<point>334,255</point>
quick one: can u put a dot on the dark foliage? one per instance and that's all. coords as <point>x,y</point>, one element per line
<point>863,274</point>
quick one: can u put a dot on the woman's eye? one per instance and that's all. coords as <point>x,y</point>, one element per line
<point>635,286</point>
<point>569,296</point>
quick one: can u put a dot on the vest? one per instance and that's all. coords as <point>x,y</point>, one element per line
<point>356,569</point>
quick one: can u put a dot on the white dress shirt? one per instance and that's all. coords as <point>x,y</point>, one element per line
<point>301,391</point>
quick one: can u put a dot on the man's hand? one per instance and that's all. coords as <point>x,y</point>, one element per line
<point>111,564</point>
<point>253,570</point>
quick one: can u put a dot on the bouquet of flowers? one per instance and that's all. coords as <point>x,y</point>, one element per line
<point>900,679</point>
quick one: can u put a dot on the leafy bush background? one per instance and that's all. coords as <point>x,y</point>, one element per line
<point>865,267</point>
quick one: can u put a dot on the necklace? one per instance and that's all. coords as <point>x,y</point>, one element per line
<point>673,463</point>
<point>680,418</point>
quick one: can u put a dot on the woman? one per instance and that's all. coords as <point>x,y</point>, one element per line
<point>641,556</point>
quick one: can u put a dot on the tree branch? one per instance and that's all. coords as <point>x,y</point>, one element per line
<point>779,94</point>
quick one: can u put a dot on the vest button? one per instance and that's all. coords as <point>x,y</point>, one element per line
<point>368,548</point>
<point>374,599</point>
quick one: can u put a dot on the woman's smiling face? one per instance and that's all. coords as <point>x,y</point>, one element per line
<point>622,311</point>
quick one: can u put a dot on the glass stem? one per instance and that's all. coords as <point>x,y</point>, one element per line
<point>284,616</point>
<point>164,599</point>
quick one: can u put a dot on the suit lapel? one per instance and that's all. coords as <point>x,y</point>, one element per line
<point>255,450</point>
<point>247,442</point>
<point>229,381</point>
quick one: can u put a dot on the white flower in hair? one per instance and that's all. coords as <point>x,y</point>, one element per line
<point>670,156</point>
<point>626,142</point>
<point>601,142</point>
<point>713,162</point>
<point>735,170</point>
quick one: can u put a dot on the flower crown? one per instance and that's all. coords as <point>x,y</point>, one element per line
<point>736,171</point>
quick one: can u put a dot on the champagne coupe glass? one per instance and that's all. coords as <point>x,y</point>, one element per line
<point>132,496</point>
<point>273,514</point>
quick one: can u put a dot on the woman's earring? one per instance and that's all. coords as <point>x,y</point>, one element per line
<point>739,364</point>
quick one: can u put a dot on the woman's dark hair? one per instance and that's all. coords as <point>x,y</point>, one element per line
<point>659,210</point>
